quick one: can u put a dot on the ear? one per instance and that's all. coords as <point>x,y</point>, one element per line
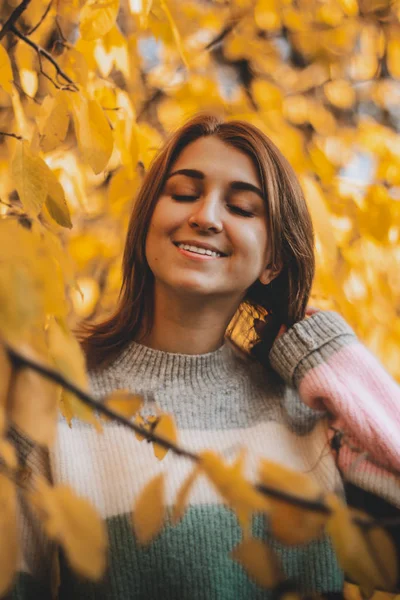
<point>269,274</point>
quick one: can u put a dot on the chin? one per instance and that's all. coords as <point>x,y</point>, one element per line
<point>193,286</point>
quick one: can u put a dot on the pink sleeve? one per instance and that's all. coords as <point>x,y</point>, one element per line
<point>322,357</point>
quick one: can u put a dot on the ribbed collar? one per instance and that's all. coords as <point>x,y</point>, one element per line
<point>157,364</point>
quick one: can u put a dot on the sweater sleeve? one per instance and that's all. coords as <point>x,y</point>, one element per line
<point>322,357</point>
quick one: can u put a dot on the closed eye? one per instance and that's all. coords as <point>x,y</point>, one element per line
<point>184,198</point>
<point>235,209</point>
<point>241,211</point>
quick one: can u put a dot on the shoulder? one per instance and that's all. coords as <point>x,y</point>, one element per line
<point>279,398</point>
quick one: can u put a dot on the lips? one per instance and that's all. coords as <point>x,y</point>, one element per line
<point>203,245</point>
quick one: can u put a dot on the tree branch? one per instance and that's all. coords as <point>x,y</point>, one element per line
<point>19,361</point>
<point>43,52</point>
<point>15,15</point>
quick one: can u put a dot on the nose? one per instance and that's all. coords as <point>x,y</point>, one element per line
<point>206,214</point>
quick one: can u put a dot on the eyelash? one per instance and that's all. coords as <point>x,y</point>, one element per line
<point>236,209</point>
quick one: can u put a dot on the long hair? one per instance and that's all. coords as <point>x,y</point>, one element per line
<point>290,234</point>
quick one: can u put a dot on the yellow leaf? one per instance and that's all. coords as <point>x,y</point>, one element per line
<point>149,510</point>
<point>141,423</point>
<point>93,132</point>
<point>144,15</point>
<point>8,533</point>
<point>321,218</point>
<point>29,175</point>
<point>55,201</point>
<point>367,556</point>
<point>349,7</point>
<point>75,65</point>
<point>97,18</point>
<point>266,15</point>
<point>71,405</point>
<point>166,429</point>
<point>121,190</point>
<point>321,165</point>
<point>68,9</point>
<point>5,377</point>
<point>259,562</point>
<point>33,402</point>
<point>26,58</point>
<point>393,56</point>
<point>86,297</point>
<point>6,76</point>
<point>375,218</point>
<point>8,454</point>
<point>55,127</point>
<point>175,32</point>
<point>32,270</point>
<point>183,494</point>
<point>74,523</point>
<point>70,361</point>
<point>340,93</point>
<point>267,95</point>
<point>295,109</point>
<point>124,403</point>
<point>291,524</point>
<point>66,353</point>
<point>18,281</point>
<point>67,410</point>
<point>233,487</point>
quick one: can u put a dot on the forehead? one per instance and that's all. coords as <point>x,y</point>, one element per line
<point>217,160</point>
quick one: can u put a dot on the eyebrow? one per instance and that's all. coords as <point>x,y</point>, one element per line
<point>234,185</point>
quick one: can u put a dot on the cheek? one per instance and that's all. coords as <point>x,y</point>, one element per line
<point>165,217</point>
<point>253,242</point>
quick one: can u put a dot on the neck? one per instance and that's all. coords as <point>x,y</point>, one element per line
<point>188,325</point>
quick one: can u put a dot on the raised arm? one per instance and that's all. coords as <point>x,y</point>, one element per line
<point>322,357</point>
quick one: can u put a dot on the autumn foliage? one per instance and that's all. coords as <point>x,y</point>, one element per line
<point>88,91</point>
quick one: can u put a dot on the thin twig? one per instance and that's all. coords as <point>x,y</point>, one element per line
<point>20,88</point>
<point>60,30</point>
<point>43,72</point>
<point>6,203</point>
<point>41,20</point>
<point>43,52</point>
<point>14,135</point>
<point>15,15</point>
<point>216,40</point>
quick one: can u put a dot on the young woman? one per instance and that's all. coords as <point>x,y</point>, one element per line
<point>220,228</point>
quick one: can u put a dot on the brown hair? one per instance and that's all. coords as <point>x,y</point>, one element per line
<point>290,232</point>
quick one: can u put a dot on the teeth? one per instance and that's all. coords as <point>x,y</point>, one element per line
<point>197,250</point>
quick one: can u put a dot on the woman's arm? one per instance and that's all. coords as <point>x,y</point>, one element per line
<point>322,357</point>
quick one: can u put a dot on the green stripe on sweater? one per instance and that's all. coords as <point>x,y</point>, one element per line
<point>26,588</point>
<point>191,562</point>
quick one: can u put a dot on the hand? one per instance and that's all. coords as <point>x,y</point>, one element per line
<point>310,310</point>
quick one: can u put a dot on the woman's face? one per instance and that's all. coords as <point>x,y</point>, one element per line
<point>212,200</point>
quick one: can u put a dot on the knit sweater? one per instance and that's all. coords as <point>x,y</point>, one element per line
<point>222,401</point>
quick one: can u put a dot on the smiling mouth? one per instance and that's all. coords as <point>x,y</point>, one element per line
<point>198,251</point>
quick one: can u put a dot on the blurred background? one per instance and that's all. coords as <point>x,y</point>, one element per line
<point>320,77</point>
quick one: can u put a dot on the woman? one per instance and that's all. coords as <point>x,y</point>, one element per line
<point>219,228</point>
